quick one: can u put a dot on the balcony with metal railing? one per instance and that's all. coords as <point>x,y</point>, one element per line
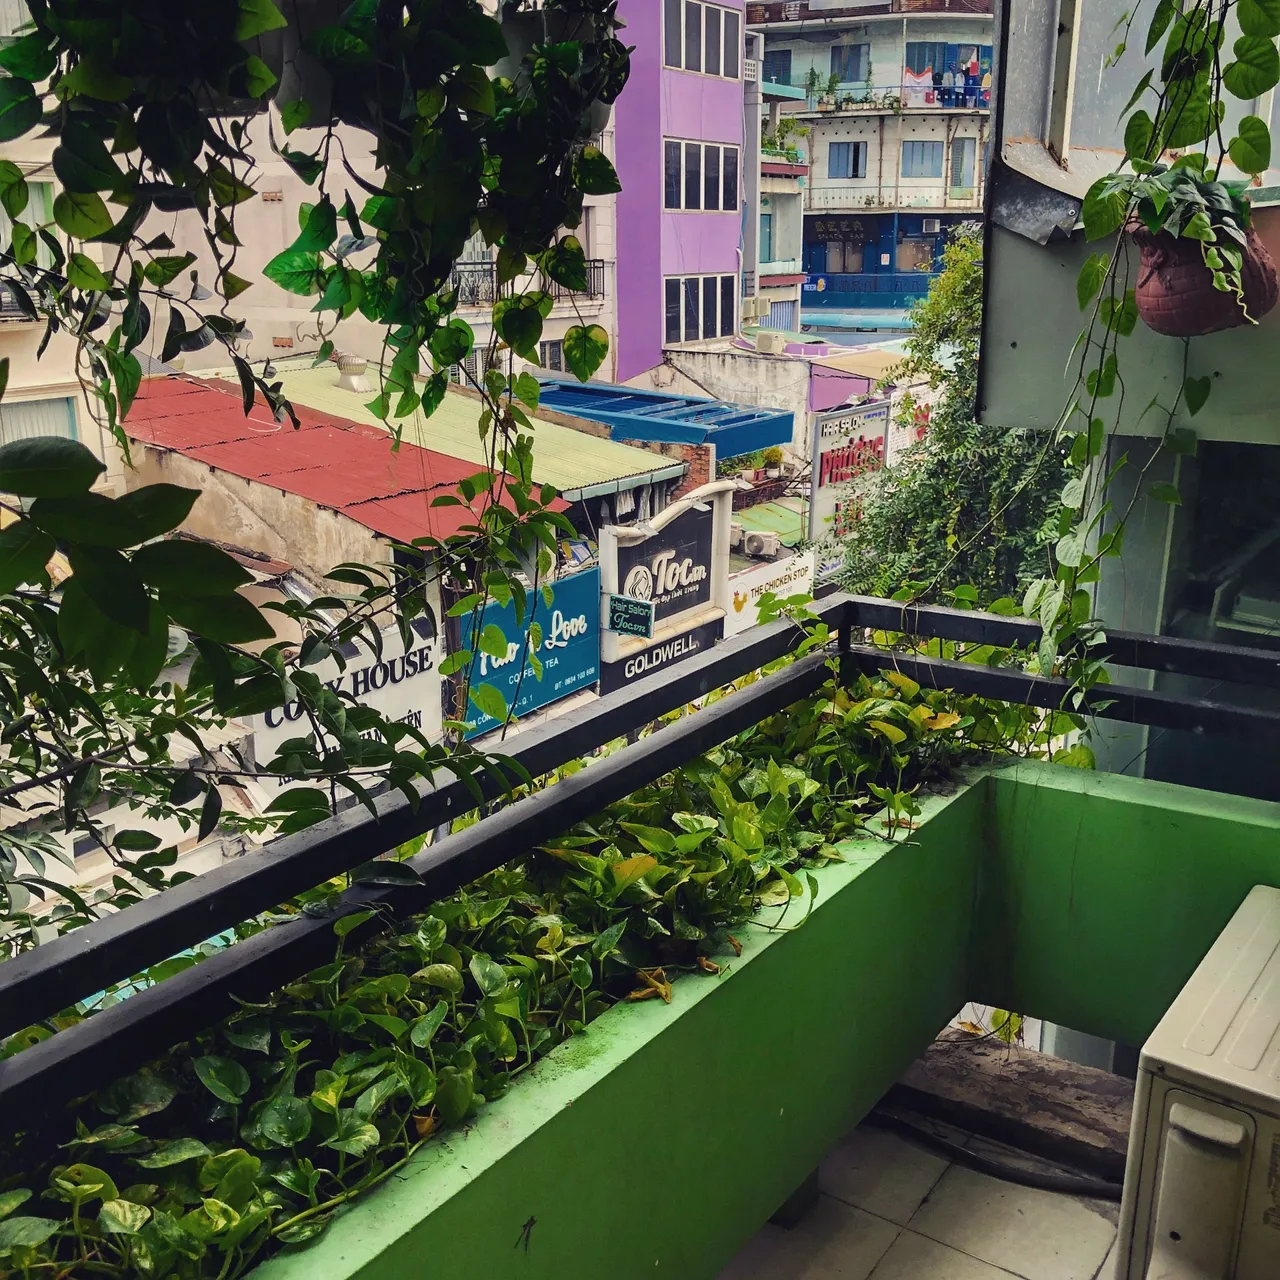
<point>1075,896</point>
<point>477,283</point>
<point>851,197</point>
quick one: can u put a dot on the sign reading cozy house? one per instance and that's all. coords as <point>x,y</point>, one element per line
<point>672,569</point>
<point>784,578</point>
<point>402,686</point>
<point>570,652</point>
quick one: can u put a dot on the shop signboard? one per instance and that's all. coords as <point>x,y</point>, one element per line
<point>569,654</point>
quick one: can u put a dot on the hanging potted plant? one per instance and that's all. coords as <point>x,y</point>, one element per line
<point>1204,267</point>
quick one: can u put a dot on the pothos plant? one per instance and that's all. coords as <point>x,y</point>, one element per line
<point>254,1135</point>
<point>478,123</point>
<point>1172,194</point>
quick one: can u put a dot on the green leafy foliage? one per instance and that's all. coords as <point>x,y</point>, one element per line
<point>969,504</point>
<point>282,1113</point>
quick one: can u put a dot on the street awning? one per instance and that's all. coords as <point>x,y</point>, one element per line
<point>632,414</point>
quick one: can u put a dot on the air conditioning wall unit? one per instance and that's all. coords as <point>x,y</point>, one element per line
<point>735,534</point>
<point>1201,1188</point>
<point>761,543</point>
<point>771,344</point>
<point>932,226</point>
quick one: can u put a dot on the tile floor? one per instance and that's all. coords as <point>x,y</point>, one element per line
<point>892,1210</point>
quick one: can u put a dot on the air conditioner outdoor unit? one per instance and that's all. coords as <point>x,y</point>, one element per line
<point>771,344</point>
<point>932,226</point>
<point>1202,1183</point>
<point>761,543</point>
<point>735,534</point>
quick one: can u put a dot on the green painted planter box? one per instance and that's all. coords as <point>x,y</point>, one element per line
<point>656,1143</point>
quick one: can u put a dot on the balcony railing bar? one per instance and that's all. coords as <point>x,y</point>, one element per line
<point>54,975</point>
<point>82,963</point>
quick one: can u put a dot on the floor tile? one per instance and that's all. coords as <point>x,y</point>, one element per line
<point>913,1257</point>
<point>1108,1269</point>
<point>1003,1154</point>
<point>1036,1234</point>
<point>881,1172</point>
<point>834,1241</point>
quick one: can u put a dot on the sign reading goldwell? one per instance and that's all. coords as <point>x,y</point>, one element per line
<point>402,686</point>
<point>790,577</point>
<point>617,675</point>
<point>672,569</point>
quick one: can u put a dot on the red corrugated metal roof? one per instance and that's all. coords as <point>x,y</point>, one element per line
<point>346,466</point>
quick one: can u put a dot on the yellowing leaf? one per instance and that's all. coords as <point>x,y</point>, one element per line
<point>943,720</point>
<point>908,686</point>
<point>892,732</point>
<point>629,870</point>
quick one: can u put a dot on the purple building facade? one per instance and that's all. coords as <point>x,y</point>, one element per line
<point>678,137</point>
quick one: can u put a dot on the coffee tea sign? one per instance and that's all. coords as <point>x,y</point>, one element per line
<point>569,654</point>
<point>672,569</point>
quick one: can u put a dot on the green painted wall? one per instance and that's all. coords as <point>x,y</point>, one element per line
<point>1101,893</point>
<point>658,1142</point>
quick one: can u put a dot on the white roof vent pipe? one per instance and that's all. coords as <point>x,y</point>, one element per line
<point>351,371</point>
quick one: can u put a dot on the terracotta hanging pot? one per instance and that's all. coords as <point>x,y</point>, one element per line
<point>1175,293</point>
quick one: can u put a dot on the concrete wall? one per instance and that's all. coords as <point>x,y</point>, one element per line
<point>247,513</point>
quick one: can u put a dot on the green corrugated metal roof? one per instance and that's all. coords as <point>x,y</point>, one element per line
<point>577,464</point>
<point>774,517</point>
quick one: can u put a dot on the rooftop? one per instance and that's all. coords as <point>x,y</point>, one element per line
<point>577,464</point>
<point>343,465</point>
<point>633,414</point>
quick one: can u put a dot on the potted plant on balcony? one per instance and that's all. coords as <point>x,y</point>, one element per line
<point>1203,266</point>
<point>773,462</point>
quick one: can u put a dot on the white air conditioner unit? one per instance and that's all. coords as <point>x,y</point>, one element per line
<point>1201,1197</point>
<point>754,307</point>
<point>932,226</point>
<point>771,344</point>
<point>735,534</point>
<point>761,543</point>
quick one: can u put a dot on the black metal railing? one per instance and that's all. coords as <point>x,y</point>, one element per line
<point>45,981</point>
<point>477,283</point>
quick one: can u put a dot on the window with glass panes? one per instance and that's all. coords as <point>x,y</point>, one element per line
<point>700,307</point>
<point>847,160</point>
<point>851,63</point>
<point>700,175</point>
<point>551,355</point>
<point>701,37</point>
<point>922,159</point>
<point>925,55</point>
<point>776,68</point>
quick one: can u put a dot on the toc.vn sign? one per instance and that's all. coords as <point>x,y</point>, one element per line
<point>402,686</point>
<point>570,652</point>
<point>629,617</point>
<point>617,675</point>
<point>785,578</point>
<point>671,569</point>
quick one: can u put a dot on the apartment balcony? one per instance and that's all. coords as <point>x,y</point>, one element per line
<point>780,267</point>
<point>477,283</point>
<point>1082,898</point>
<point>785,11</point>
<point>845,197</point>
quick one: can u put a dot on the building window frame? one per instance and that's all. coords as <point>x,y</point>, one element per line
<point>698,308</point>
<point>688,42</point>
<point>922,158</point>
<point>697,162</point>
<point>551,355</point>
<point>847,159</point>
<point>772,58</point>
<point>854,57</point>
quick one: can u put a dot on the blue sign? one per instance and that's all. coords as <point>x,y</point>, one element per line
<point>570,652</point>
